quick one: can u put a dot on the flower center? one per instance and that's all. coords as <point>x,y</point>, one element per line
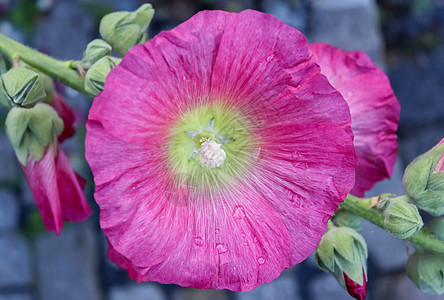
<point>211,146</point>
<point>211,154</point>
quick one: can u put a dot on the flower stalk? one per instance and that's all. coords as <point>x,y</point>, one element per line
<point>361,207</point>
<point>60,70</point>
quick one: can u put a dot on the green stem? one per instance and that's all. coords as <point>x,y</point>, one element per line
<point>361,207</point>
<point>60,70</point>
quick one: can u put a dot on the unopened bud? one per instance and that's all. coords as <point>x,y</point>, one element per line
<point>424,180</point>
<point>96,75</point>
<point>32,130</point>
<point>402,219</point>
<point>426,270</point>
<point>343,251</point>
<point>22,86</point>
<point>124,29</point>
<point>95,50</point>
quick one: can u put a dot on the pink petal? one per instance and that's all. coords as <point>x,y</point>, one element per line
<point>239,238</point>
<point>374,110</point>
<point>355,290</point>
<point>67,115</point>
<point>73,202</point>
<point>41,177</point>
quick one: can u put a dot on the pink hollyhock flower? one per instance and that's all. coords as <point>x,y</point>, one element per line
<point>219,153</point>
<point>374,111</point>
<point>355,290</point>
<point>56,188</point>
<point>64,111</point>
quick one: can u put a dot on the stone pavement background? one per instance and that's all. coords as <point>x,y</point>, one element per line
<point>405,38</point>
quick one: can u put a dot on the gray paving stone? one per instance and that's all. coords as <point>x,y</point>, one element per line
<point>284,287</point>
<point>387,252</point>
<point>67,265</point>
<point>197,294</point>
<point>421,100</point>
<point>400,287</point>
<point>66,31</point>
<point>10,168</point>
<point>9,210</point>
<point>349,25</point>
<point>15,296</point>
<point>15,263</point>
<point>326,287</point>
<point>291,12</point>
<point>137,291</point>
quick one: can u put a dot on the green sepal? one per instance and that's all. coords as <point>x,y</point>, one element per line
<point>22,86</point>
<point>436,227</point>
<point>95,50</point>
<point>426,270</point>
<point>345,218</point>
<point>423,185</point>
<point>32,130</point>
<point>123,29</point>
<point>96,75</point>
<point>343,250</point>
<point>402,219</point>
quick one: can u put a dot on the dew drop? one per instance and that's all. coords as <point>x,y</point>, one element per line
<point>221,248</point>
<point>239,212</point>
<point>255,239</point>
<point>245,244</point>
<point>270,57</point>
<point>217,231</point>
<point>261,260</point>
<point>198,241</point>
<point>243,234</point>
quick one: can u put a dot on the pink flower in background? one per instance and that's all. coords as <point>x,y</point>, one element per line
<point>219,153</point>
<point>56,189</point>
<point>374,111</point>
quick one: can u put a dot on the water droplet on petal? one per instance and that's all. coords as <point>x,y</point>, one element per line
<point>245,244</point>
<point>198,241</point>
<point>270,57</point>
<point>217,231</point>
<point>261,260</point>
<point>221,248</point>
<point>239,212</point>
<point>243,234</point>
<point>255,239</point>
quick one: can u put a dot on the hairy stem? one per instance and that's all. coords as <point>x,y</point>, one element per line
<point>361,207</point>
<point>60,70</point>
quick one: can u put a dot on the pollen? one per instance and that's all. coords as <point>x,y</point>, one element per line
<point>211,154</point>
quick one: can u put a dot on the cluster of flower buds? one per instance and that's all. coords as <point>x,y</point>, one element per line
<point>120,32</point>
<point>38,120</point>
<point>424,185</point>
<point>343,253</point>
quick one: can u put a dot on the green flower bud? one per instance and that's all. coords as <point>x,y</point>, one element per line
<point>426,270</point>
<point>32,130</point>
<point>402,219</point>
<point>343,251</point>
<point>123,29</point>
<point>48,86</point>
<point>22,86</point>
<point>345,218</point>
<point>424,180</point>
<point>96,75</point>
<point>436,227</point>
<point>95,50</point>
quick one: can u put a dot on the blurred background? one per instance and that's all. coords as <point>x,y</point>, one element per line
<point>403,37</point>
